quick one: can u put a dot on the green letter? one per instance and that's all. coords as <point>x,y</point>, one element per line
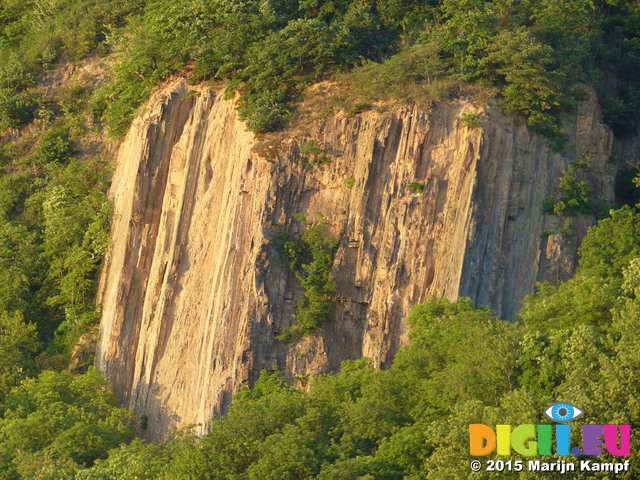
<point>523,440</point>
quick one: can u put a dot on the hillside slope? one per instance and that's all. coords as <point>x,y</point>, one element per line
<point>195,287</point>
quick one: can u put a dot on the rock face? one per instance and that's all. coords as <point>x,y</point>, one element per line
<point>194,288</point>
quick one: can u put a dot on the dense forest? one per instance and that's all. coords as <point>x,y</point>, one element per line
<point>577,341</point>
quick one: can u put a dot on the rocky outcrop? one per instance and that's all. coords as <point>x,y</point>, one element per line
<point>194,288</point>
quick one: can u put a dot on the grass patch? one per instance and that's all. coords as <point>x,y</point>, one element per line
<point>416,187</point>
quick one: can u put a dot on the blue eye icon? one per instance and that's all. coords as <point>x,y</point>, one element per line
<point>563,412</point>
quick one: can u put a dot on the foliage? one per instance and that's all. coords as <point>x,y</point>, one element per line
<point>448,354</point>
<point>54,214</point>
<point>469,120</point>
<point>566,228</point>
<point>138,460</point>
<point>18,344</point>
<point>313,254</point>
<point>626,187</point>
<point>235,441</point>
<point>525,66</point>
<point>463,365</point>
<point>54,230</point>
<point>415,73</point>
<point>16,109</point>
<point>34,35</point>
<point>546,232</point>
<point>538,54</point>
<point>575,194</point>
<point>591,295</point>
<point>59,422</point>
<point>311,150</point>
<point>577,342</point>
<point>269,51</point>
<point>55,146</point>
<point>416,187</point>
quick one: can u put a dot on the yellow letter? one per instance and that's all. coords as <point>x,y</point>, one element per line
<point>504,439</point>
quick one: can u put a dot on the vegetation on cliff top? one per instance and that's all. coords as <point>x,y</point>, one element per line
<point>539,54</point>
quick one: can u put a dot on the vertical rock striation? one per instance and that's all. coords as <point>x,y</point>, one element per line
<point>194,289</point>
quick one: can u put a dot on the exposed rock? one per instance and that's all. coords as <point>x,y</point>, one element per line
<point>194,288</point>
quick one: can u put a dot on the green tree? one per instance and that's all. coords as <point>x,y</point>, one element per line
<point>467,29</point>
<point>55,147</point>
<point>18,345</point>
<point>590,296</point>
<point>525,65</point>
<point>19,269</point>
<point>138,460</point>
<point>457,353</point>
<point>235,441</point>
<point>59,421</point>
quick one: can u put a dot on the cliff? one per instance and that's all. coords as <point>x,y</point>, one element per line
<point>194,288</point>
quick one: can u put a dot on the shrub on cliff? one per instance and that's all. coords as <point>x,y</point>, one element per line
<point>311,258</point>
